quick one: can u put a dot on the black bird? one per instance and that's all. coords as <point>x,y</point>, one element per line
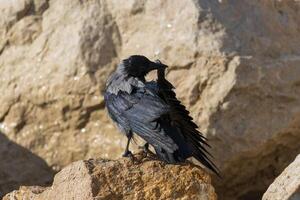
<point>152,111</point>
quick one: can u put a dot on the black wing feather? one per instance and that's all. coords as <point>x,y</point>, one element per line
<point>140,112</point>
<point>154,113</point>
<point>181,119</point>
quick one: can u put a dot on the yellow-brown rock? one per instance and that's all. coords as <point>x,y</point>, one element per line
<point>123,179</point>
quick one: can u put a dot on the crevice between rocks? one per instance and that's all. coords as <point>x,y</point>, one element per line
<point>269,161</point>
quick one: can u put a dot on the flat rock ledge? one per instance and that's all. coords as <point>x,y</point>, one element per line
<point>143,178</point>
<point>287,185</point>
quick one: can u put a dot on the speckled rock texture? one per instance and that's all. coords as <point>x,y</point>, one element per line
<point>123,179</point>
<point>287,185</point>
<point>235,65</point>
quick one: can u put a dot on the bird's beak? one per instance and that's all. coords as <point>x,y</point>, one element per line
<point>157,65</point>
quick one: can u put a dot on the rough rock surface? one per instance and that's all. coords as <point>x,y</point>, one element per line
<point>18,166</point>
<point>235,65</point>
<point>121,179</point>
<point>287,185</point>
<point>52,103</point>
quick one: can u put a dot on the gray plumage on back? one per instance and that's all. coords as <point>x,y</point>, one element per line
<point>152,111</point>
<point>121,81</point>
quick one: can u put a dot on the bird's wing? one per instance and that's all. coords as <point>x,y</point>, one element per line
<point>115,106</point>
<point>141,111</point>
<point>181,119</point>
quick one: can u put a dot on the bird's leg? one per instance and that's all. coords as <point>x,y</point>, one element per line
<point>128,153</point>
<point>147,152</point>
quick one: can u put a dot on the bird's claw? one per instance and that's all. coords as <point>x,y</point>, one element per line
<point>146,151</point>
<point>127,154</point>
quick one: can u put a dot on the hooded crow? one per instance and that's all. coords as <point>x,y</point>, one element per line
<point>151,110</point>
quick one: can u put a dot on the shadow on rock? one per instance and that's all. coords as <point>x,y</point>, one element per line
<point>19,166</point>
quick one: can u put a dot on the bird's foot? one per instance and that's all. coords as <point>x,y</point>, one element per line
<point>146,151</point>
<point>127,154</point>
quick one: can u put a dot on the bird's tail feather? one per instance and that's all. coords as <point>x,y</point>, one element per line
<point>187,147</point>
<point>175,157</point>
<point>207,163</point>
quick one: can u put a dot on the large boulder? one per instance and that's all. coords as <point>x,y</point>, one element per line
<point>287,185</point>
<point>235,65</point>
<point>123,179</point>
<point>54,65</point>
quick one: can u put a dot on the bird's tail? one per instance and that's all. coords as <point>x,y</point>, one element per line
<point>187,147</point>
<point>176,157</point>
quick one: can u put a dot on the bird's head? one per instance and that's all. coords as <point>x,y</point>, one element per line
<point>139,66</point>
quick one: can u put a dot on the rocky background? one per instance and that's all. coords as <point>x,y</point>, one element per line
<point>236,66</point>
